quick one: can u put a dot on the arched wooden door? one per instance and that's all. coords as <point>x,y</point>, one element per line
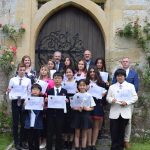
<point>70,31</point>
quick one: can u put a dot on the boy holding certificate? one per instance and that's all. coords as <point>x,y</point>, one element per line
<point>34,116</point>
<point>55,112</point>
<point>19,88</point>
<point>121,96</point>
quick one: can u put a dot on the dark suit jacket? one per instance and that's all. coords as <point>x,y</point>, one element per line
<point>52,111</point>
<point>61,66</point>
<point>38,119</point>
<point>131,78</point>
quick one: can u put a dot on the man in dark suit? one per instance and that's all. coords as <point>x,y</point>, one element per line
<point>88,59</point>
<point>55,117</point>
<point>57,59</point>
<point>131,77</point>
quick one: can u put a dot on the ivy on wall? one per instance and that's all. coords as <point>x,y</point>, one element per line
<point>139,31</point>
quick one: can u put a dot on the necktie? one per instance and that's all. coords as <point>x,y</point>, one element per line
<point>19,97</point>
<point>20,81</point>
<point>57,91</point>
<point>57,66</point>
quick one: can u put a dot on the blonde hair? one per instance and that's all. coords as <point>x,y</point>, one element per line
<point>48,73</point>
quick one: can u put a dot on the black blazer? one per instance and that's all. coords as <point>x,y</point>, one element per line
<point>53,111</point>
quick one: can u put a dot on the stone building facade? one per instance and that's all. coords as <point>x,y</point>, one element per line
<point>114,15</point>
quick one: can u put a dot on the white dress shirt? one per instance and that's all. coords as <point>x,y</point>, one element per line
<point>55,90</point>
<point>19,87</point>
<point>116,109</point>
<point>32,120</point>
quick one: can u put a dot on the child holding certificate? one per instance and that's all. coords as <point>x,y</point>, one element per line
<point>82,105</point>
<point>71,86</point>
<point>19,88</point>
<point>100,64</point>
<point>55,112</point>
<point>34,120</point>
<point>121,96</point>
<point>95,81</point>
<point>44,76</point>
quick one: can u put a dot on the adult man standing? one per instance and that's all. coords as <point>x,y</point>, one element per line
<point>57,59</point>
<point>131,77</point>
<point>88,58</point>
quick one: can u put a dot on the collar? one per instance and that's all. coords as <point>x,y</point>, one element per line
<point>20,77</point>
<point>59,88</point>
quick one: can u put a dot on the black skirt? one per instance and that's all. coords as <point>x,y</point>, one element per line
<point>81,120</point>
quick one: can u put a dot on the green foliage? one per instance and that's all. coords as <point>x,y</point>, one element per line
<point>141,33</point>
<point>5,118</point>
<point>5,140</point>
<point>14,33</point>
<point>7,59</point>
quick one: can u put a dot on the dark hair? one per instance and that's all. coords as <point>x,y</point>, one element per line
<point>84,69</point>
<point>82,80</point>
<point>58,74</point>
<point>71,68</point>
<point>120,72</point>
<point>35,85</point>
<point>65,67</point>
<point>97,76</point>
<point>52,62</point>
<point>103,63</point>
<point>24,57</point>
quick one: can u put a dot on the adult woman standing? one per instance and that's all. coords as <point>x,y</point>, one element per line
<point>29,72</point>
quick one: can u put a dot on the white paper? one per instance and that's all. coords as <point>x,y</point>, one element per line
<point>43,84</point>
<point>34,103</point>
<point>71,87</point>
<point>96,91</point>
<point>52,73</point>
<point>17,91</point>
<point>81,100</point>
<point>123,95</point>
<point>57,102</point>
<point>104,76</point>
<point>77,78</point>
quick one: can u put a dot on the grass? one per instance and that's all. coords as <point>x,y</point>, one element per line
<point>5,140</point>
<point>140,144</point>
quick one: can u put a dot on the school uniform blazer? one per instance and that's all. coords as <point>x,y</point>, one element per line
<point>53,111</point>
<point>131,78</point>
<point>38,119</point>
<point>116,109</point>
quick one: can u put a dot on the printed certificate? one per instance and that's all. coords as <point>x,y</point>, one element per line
<point>34,103</point>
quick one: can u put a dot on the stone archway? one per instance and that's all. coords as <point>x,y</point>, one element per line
<point>53,6</point>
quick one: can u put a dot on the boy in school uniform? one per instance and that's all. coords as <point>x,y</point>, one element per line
<point>19,88</point>
<point>34,121</point>
<point>55,117</point>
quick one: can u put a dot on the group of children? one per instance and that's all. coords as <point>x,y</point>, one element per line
<point>78,125</point>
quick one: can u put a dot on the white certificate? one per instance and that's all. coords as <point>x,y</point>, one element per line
<point>123,95</point>
<point>96,91</point>
<point>57,102</point>
<point>71,87</point>
<point>34,103</point>
<point>17,91</point>
<point>52,73</point>
<point>43,84</point>
<point>81,101</point>
<point>104,76</point>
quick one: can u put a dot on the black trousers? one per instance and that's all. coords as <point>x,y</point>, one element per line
<point>55,123</point>
<point>33,138</point>
<point>18,123</point>
<point>117,130</point>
